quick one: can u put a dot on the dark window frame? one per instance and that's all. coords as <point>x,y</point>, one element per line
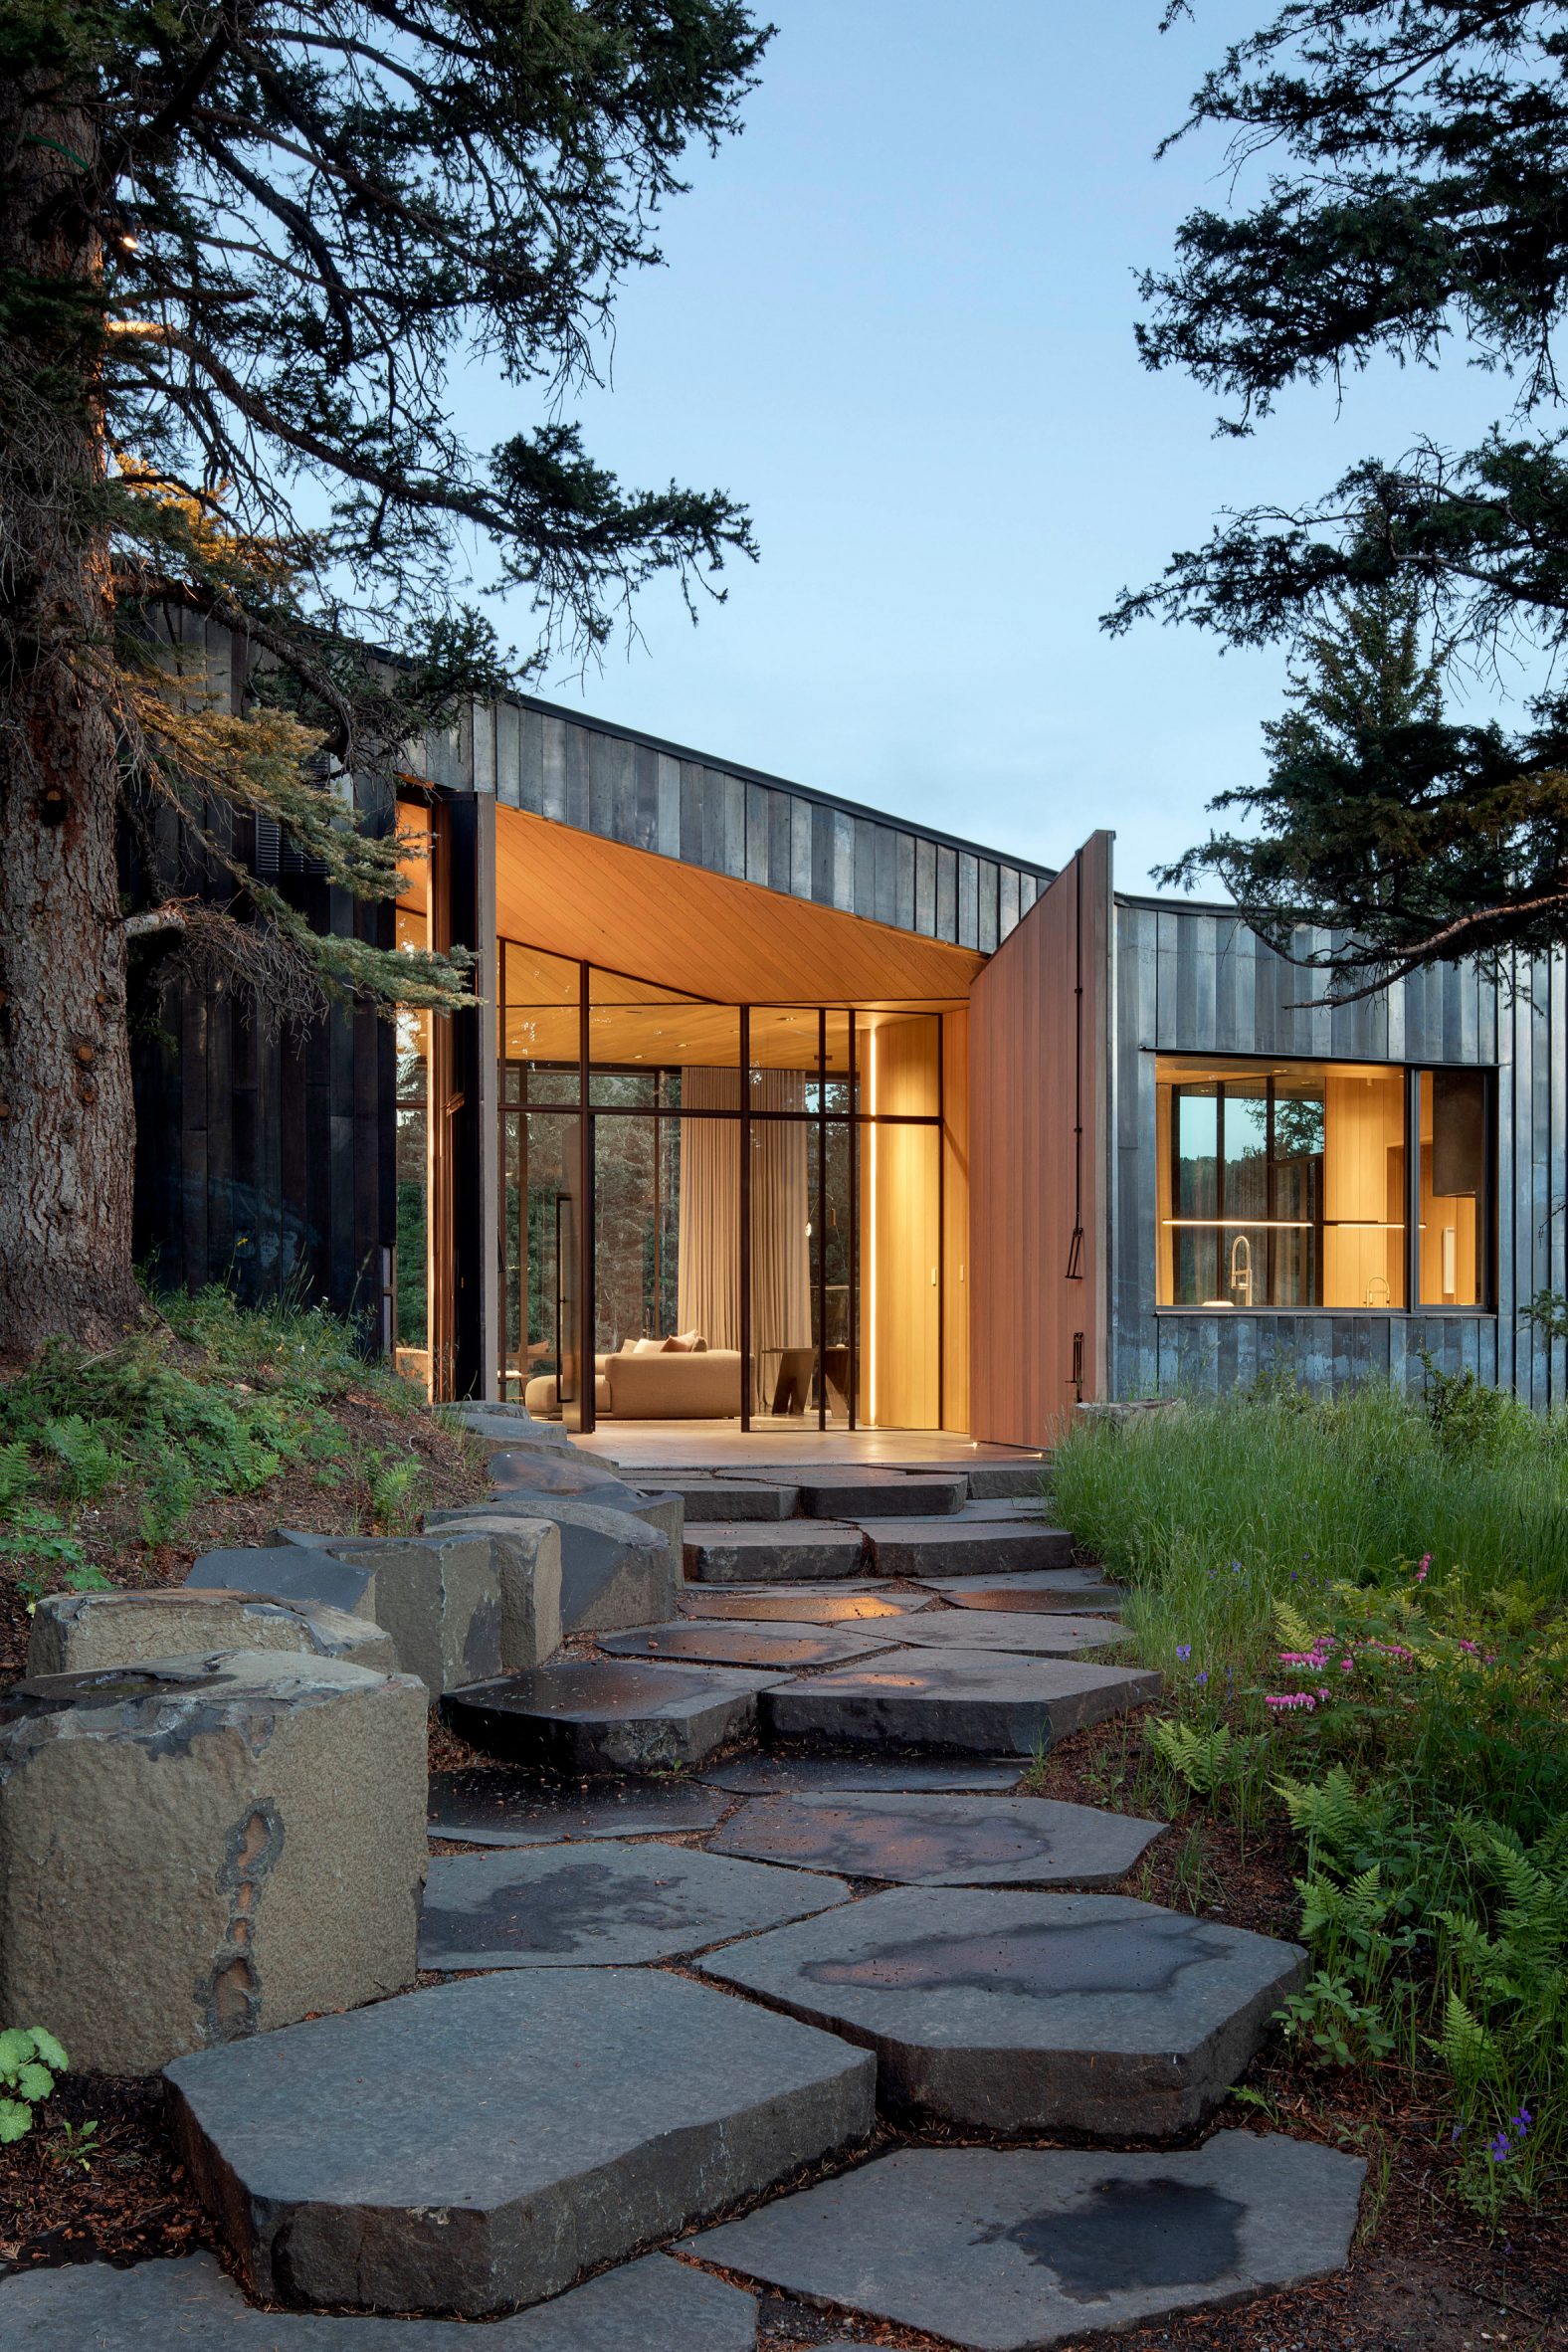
<point>1489,1250</point>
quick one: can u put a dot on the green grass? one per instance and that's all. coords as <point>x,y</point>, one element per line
<point>1358,1604</point>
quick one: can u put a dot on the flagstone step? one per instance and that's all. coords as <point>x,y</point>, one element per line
<point>871,1494</point>
<point>477,2146</point>
<point>1049,1633</point>
<point>932,1837</point>
<point>785,1646</point>
<point>603,1906</point>
<point>768,1776</point>
<point>923,1548</point>
<point>989,1481</point>
<point>92,2307</point>
<point>502,1808</point>
<point>1079,1590</point>
<point>1015,2014</point>
<point>608,1715</point>
<point>938,1840</point>
<point>1015,2250</point>
<point>986,1703</point>
<point>804,1604</point>
<point>708,1496</point>
<point>794,1551</point>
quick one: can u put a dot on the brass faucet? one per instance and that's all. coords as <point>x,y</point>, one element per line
<point>1242,1269</point>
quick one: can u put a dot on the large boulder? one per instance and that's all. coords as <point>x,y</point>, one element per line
<point>80,1632</point>
<point>616,1569</point>
<point>459,1602</point>
<point>194,1849</point>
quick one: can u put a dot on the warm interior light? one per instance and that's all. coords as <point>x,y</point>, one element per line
<point>870,1370</point>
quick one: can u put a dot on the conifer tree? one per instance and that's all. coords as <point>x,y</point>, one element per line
<point>243,243</point>
<point>1412,209</point>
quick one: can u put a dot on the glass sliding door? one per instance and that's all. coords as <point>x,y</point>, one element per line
<point>716,1210</point>
<point>543,1184</point>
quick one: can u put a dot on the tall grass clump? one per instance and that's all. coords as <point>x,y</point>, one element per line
<point>1358,1604</point>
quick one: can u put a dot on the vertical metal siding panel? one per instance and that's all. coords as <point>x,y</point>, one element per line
<point>1030,886</point>
<point>1167,1003</point>
<point>1547,1209</point>
<point>968,899</point>
<point>734,805</point>
<point>1521,1205</point>
<point>690,847</point>
<point>552,769</point>
<point>531,761</point>
<point>903,881</point>
<point>509,755</point>
<point>822,855</point>
<point>614,783</point>
<point>781,852</point>
<point>759,863</point>
<point>1136,1172</point>
<point>667,829</point>
<point>987,880</point>
<point>864,836</point>
<point>1006,902</point>
<point>925,888</point>
<point>801,836</point>
<point>578,802</point>
<point>481,747</point>
<point>843,860</point>
<point>644,795</point>
<point>1234,1029</point>
<point>947,894</point>
<point>885,899</point>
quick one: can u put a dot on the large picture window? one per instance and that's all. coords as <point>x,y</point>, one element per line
<point>1293,1184</point>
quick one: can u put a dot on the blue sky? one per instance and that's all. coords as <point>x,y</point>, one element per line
<point>898,322</point>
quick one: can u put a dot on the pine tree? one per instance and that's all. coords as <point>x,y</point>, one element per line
<point>241,247</point>
<point>1412,209</point>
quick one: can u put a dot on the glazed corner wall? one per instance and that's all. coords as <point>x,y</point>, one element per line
<point>1193,980</point>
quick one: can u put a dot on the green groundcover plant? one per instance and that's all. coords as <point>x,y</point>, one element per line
<point>212,1400</point>
<point>1358,1604</point>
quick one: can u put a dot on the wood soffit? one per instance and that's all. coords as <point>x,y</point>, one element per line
<point>710,934</point>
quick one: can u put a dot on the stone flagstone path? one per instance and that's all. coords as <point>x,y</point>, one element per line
<point>654,2061</point>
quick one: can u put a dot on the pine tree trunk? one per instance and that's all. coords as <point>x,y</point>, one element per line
<point>67,1122</point>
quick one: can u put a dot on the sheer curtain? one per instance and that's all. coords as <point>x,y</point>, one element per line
<point>707,1287</point>
<point>709,1264</point>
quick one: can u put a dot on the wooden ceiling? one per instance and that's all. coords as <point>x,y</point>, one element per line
<point>681,927</point>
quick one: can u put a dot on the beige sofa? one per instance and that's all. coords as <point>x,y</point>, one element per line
<point>702,1384</point>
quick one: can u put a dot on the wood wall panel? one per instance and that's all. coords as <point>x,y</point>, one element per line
<point>955,1221</point>
<point>1031,1033</point>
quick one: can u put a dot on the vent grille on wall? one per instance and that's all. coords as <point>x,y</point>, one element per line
<point>275,855</point>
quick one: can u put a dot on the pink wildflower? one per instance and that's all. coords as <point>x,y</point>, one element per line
<point>1287,1701</point>
<point>1426,1563</point>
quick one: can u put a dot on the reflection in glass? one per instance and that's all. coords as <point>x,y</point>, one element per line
<point>1279,1184</point>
